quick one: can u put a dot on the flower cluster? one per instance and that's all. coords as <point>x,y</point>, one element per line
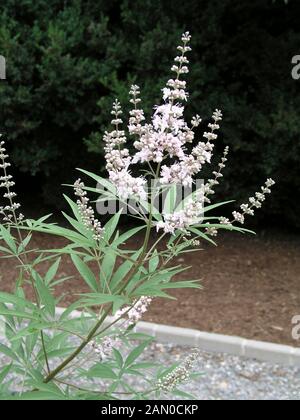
<point>165,137</point>
<point>136,115</point>
<point>254,202</point>
<point>130,316</point>
<point>134,313</point>
<point>169,134</point>
<point>247,209</point>
<point>211,183</point>
<point>127,185</point>
<point>86,211</point>
<point>165,142</point>
<point>179,375</point>
<point>176,88</point>
<point>103,348</point>
<point>118,159</point>
<point>8,212</point>
<point>190,214</point>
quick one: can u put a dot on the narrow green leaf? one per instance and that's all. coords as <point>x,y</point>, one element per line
<point>102,181</point>
<point>214,206</point>
<point>107,267</point>
<point>136,353</point>
<point>111,225</point>
<point>16,300</point>
<point>46,298</point>
<point>85,272</point>
<point>101,371</point>
<point>118,357</point>
<point>91,299</point>
<point>18,314</point>
<point>123,270</point>
<point>123,238</point>
<point>4,372</point>
<point>8,238</point>
<point>51,273</point>
<point>153,262</point>
<point>8,352</point>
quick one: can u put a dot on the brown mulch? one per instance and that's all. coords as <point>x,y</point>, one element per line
<point>251,286</point>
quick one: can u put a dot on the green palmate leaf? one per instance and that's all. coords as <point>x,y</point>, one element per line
<point>122,238</point>
<point>51,273</point>
<point>5,251</point>
<point>111,226</point>
<point>185,284</point>
<point>225,227</point>
<point>101,371</point>
<point>135,353</point>
<point>61,280</point>
<point>102,181</point>
<point>123,270</point>
<point>153,262</point>
<point>85,272</point>
<point>69,234</point>
<point>30,342</point>
<point>38,383</point>
<point>32,223</point>
<point>32,329</point>
<point>118,358</point>
<point>95,299</point>
<point>55,353</point>
<point>24,243</point>
<point>16,300</point>
<point>57,341</point>
<point>74,208</point>
<point>8,239</point>
<point>79,227</point>
<point>201,235</point>
<point>214,206</point>
<point>107,267</point>
<point>46,298</point>
<point>18,314</point>
<point>4,372</point>
<point>67,250</point>
<point>8,352</point>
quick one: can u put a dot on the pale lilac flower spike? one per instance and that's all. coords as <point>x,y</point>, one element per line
<point>8,212</point>
<point>167,137</point>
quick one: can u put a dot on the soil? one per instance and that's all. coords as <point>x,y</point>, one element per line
<point>251,286</point>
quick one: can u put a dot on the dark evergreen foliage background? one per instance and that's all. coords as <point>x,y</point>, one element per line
<point>68,60</point>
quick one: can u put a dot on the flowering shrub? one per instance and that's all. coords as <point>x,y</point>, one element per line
<point>92,354</point>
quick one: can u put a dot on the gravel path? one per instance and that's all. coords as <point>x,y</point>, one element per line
<point>225,377</point>
<point>228,377</point>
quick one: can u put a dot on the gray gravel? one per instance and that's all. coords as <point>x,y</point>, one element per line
<point>224,377</point>
<point>227,377</point>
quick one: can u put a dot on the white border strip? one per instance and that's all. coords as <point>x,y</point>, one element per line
<point>217,343</point>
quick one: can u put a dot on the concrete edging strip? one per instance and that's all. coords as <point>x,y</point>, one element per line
<point>218,343</point>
